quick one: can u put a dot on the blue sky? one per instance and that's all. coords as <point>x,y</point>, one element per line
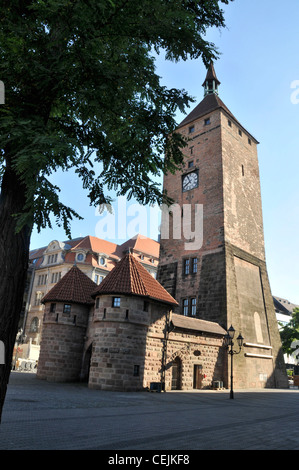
<point>258,66</point>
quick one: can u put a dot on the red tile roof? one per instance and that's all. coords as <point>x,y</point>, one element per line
<point>189,323</point>
<point>140,243</point>
<point>210,103</point>
<point>73,287</point>
<point>93,246</point>
<point>97,245</point>
<point>129,277</point>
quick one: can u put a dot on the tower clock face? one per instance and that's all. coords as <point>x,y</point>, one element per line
<point>190,181</point>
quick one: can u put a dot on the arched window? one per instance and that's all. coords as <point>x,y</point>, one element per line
<point>34,325</point>
<point>176,374</point>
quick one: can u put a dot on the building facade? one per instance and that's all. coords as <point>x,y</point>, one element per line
<point>221,276</point>
<point>96,258</point>
<point>122,335</point>
<point>130,330</point>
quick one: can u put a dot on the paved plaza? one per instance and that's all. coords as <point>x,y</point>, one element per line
<point>39,415</point>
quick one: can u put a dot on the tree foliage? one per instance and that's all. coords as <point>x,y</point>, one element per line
<point>290,335</point>
<point>81,91</point>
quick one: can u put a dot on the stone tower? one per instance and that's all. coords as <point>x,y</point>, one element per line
<point>212,258</point>
<point>67,309</point>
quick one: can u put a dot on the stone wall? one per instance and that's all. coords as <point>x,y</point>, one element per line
<point>127,346</point>
<point>118,337</point>
<point>189,349</point>
<point>62,345</point>
<point>251,311</point>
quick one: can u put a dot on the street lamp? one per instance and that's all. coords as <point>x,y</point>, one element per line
<point>228,343</point>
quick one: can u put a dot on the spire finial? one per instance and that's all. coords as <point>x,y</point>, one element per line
<point>211,81</point>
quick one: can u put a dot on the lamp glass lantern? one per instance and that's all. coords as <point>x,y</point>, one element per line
<point>231,332</point>
<point>240,340</point>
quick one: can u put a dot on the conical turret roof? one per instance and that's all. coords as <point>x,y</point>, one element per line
<point>129,277</point>
<point>211,102</point>
<point>73,287</point>
<point>211,75</point>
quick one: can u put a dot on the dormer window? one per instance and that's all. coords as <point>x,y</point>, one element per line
<point>52,259</point>
<point>80,257</point>
<point>102,260</point>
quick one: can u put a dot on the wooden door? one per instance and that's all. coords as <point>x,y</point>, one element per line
<point>197,376</point>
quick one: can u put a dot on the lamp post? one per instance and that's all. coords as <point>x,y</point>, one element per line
<point>229,344</point>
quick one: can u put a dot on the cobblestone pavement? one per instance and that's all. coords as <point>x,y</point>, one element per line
<point>39,415</point>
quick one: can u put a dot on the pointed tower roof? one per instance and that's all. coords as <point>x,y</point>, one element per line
<point>211,102</point>
<point>73,287</point>
<point>211,75</point>
<point>129,277</point>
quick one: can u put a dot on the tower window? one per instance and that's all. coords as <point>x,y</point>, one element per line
<point>52,308</point>
<point>67,308</point>
<point>116,302</point>
<point>186,266</point>
<point>136,371</point>
<point>229,123</point>
<point>194,265</point>
<point>190,164</point>
<point>185,307</point>
<point>240,132</point>
<point>249,141</point>
<point>207,121</point>
<point>191,129</point>
<point>243,172</point>
<point>193,307</point>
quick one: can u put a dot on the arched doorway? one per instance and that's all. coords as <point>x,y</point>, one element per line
<point>176,374</point>
<point>86,364</point>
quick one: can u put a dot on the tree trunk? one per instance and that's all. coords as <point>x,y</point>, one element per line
<point>14,254</point>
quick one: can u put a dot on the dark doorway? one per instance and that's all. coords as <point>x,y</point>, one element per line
<point>86,365</point>
<point>197,376</point>
<point>176,374</point>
